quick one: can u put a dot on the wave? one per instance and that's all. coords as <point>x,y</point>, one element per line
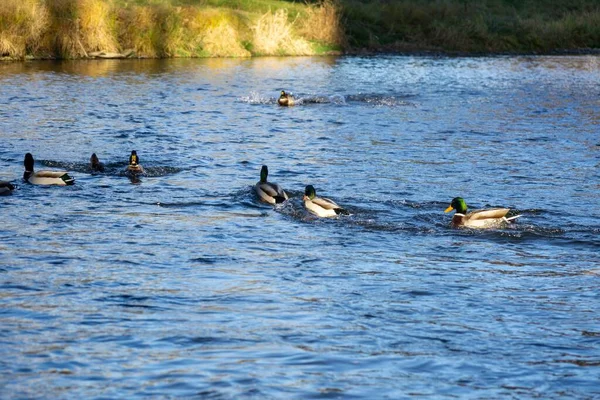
<point>113,168</point>
<point>427,218</point>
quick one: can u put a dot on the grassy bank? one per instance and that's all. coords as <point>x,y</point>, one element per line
<point>243,28</point>
<point>167,28</point>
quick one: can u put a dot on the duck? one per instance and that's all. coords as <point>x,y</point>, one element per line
<point>134,163</point>
<point>320,206</point>
<point>95,164</point>
<point>286,99</point>
<point>480,219</point>
<point>59,178</point>
<point>6,188</point>
<point>269,192</point>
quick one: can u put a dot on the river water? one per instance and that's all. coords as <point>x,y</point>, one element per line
<point>181,284</point>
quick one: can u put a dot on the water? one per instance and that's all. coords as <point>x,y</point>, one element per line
<point>180,284</point>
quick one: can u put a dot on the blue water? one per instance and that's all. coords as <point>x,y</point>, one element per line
<point>181,284</point>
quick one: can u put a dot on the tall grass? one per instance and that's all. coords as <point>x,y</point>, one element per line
<point>22,24</point>
<point>97,25</point>
<point>220,34</point>
<point>137,30</point>
<point>273,35</point>
<point>323,23</point>
<point>165,28</point>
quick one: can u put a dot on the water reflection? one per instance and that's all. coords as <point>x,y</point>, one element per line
<point>98,68</point>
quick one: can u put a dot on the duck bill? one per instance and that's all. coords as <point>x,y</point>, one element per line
<point>305,197</point>
<point>450,208</point>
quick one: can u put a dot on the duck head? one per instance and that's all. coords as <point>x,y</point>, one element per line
<point>309,193</point>
<point>28,163</point>
<point>457,204</point>
<point>133,158</point>
<point>285,99</point>
<point>264,172</point>
<point>94,161</point>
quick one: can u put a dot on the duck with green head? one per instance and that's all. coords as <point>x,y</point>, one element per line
<point>286,99</point>
<point>321,206</point>
<point>269,192</point>
<point>59,178</point>
<point>490,218</point>
<point>134,163</point>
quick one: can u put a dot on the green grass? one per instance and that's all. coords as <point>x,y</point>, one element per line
<point>489,26</point>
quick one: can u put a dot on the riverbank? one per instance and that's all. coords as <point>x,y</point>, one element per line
<point>67,29</point>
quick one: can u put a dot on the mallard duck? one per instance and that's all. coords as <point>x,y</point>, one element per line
<point>60,178</point>
<point>95,164</point>
<point>269,192</point>
<point>286,99</point>
<point>6,188</point>
<point>491,218</point>
<point>134,163</point>
<point>319,206</point>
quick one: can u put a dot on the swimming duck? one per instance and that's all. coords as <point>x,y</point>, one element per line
<point>95,164</point>
<point>60,178</point>
<point>286,99</point>
<point>321,207</point>
<point>134,163</point>
<point>269,192</point>
<point>6,188</point>
<point>491,218</point>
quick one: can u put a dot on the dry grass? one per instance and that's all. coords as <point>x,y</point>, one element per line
<point>170,39</point>
<point>274,35</point>
<point>137,30</point>
<point>97,25</point>
<point>323,23</point>
<point>22,24</point>
<point>220,34</point>
<point>217,33</point>
<point>64,36</point>
<point>75,28</point>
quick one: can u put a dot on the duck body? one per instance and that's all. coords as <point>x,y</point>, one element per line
<point>6,188</point>
<point>478,219</point>
<point>320,206</point>
<point>286,99</point>
<point>269,192</point>
<point>58,178</point>
<point>135,169</point>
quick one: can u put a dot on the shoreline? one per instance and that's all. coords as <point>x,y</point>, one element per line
<point>349,53</point>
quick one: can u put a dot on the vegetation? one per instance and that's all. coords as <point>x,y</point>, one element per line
<point>473,26</point>
<point>243,28</point>
<point>167,28</point>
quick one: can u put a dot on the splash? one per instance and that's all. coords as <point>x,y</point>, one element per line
<point>257,98</point>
